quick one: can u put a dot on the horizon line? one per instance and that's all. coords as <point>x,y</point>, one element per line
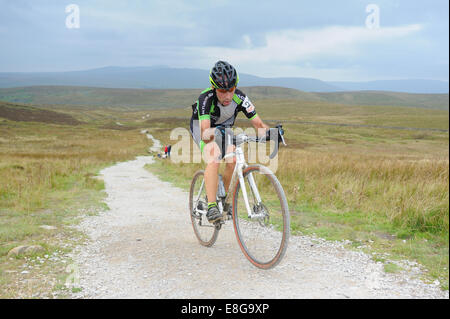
<point>170,67</point>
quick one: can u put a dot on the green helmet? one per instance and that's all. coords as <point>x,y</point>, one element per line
<point>223,76</point>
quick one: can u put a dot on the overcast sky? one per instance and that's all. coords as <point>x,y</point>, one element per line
<point>324,39</point>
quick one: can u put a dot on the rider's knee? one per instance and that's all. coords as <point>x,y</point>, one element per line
<point>213,164</point>
<point>211,153</point>
<point>231,161</point>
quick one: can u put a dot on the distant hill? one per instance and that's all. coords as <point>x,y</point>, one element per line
<point>25,113</point>
<point>408,86</point>
<point>380,98</point>
<point>105,97</point>
<point>162,77</point>
<point>303,84</point>
<point>149,98</point>
<point>429,101</point>
<point>150,78</point>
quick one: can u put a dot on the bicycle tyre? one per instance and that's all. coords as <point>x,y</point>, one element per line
<point>240,224</point>
<point>204,231</point>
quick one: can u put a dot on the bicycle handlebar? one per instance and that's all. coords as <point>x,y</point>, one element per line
<point>277,137</point>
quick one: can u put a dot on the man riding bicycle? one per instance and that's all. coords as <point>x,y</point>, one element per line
<point>215,110</point>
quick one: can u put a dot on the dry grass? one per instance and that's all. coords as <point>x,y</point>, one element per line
<point>36,159</point>
<point>409,194</point>
<point>341,182</point>
<point>46,178</point>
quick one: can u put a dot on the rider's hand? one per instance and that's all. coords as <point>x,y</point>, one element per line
<point>220,130</point>
<point>272,133</point>
<point>219,134</point>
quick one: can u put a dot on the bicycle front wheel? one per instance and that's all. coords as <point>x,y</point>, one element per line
<point>263,236</point>
<point>205,232</point>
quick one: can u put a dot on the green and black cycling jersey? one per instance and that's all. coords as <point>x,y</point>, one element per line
<point>208,107</point>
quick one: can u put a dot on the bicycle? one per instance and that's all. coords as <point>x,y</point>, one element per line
<point>260,217</point>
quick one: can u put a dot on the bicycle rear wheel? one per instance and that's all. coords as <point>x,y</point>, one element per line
<point>205,232</point>
<point>263,238</point>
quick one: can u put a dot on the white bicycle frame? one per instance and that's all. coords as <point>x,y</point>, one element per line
<point>241,164</point>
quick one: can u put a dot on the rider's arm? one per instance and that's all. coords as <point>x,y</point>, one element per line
<point>247,107</point>
<point>203,109</point>
<point>207,131</point>
<point>259,125</point>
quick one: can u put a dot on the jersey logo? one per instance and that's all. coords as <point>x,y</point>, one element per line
<point>205,101</point>
<point>248,105</point>
<point>240,96</point>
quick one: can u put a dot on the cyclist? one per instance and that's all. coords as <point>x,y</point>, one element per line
<point>216,109</point>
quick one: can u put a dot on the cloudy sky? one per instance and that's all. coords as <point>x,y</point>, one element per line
<point>324,39</point>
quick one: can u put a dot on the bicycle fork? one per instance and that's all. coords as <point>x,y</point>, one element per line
<point>240,165</point>
<point>254,191</point>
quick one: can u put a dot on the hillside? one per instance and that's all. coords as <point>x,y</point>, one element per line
<point>23,113</point>
<point>429,101</point>
<point>408,86</point>
<point>93,97</point>
<point>149,98</point>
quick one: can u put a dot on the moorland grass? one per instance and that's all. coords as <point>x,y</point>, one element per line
<point>47,177</point>
<point>379,188</point>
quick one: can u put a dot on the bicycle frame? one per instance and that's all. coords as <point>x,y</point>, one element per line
<point>241,164</point>
<point>237,173</point>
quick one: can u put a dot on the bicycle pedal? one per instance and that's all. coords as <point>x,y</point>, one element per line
<point>218,224</point>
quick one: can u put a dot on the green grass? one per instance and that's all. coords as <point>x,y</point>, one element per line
<point>392,268</point>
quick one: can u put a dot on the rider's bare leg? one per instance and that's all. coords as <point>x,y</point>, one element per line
<point>229,168</point>
<point>211,170</point>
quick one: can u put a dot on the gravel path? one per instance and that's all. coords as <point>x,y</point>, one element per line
<point>144,247</point>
